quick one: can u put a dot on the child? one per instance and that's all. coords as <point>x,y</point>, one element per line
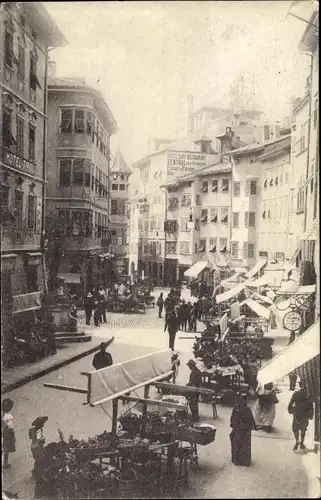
<point>8,435</point>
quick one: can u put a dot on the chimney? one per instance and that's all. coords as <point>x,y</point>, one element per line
<point>52,69</point>
<point>190,109</point>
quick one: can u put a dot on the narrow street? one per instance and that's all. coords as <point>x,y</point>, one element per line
<point>276,470</point>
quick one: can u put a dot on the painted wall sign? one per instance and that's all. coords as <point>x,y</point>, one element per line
<point>13,160</point>
<point>180,162</point>
<point>292,321</point>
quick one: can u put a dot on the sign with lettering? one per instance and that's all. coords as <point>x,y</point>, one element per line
<point>13,160</point>
<point>26,302</point>
<point>292,321</point>
<point>180,162</point>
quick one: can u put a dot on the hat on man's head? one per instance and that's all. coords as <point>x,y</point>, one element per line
<point>191,362</point>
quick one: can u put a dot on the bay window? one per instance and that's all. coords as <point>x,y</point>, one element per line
<point>80,121</point>
<point>78,172</point>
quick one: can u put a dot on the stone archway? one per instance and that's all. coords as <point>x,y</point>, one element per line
<point>132,268</point>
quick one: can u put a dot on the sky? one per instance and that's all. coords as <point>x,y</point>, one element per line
<point>147,57</point>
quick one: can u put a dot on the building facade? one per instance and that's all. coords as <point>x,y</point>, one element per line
<point>28,31</point>
<point>78,184</point>
<point>119,213</point>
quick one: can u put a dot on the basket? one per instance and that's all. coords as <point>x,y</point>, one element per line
<point>196,436</point>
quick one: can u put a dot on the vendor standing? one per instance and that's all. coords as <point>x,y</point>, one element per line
<point>102,359</point>
<point>195,380</point>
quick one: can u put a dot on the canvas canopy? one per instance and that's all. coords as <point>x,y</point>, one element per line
<point>257,268</point>
<point>257,308</point>
<point>229,294</point>
<point>305,348</point>
<point>108,383</point>
<point>196,269</point>
<point>262,281</point>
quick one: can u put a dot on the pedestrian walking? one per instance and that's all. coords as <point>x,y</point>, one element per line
<point>171,324</point>
<point>183,316</point>
<point>195,380</point>
<point>292,380</point>
<point>301,407</point>
<point>97,311</point>
<point>89,305</point>
<point>8,434</point>
<point>160,305</point>
<point>264,408</point>
<point>102,358</point>
<point>242,424</point>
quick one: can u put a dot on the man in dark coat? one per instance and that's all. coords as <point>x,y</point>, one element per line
<point>301,407</point>
<point>171,323</point>
<point>89,305</point>
<point>160,305</point>
<point>195,380</point>
<point>103,359</point>
<point>184,311</point>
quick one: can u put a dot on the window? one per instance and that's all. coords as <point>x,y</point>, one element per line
<point>184,247</point>
<point>236,188</point>
<point>172,203</point>
<point>66,120</point>
<point>113,207</point>
<point>114,187</point>
<point>224,215</point>
<point>302,138</point>
<point>18,207</point>
<point>20,135</point>
<point>121,187</point>
<point>235,249</point>
<point>76,222</point>
<point>78,172</point>
<point>32,279</point>
<point>170,247</point>
<point>223,245</point>
<point>4,198</point>
<point>32,205</point>
<point>32,142</point>
<point>279,256</point>
<point>236,219</point>
<point>184,224</point>
<point>87,173</point>
<point>214,185</point>
<point>7,136</point>
<point>225,185</point>
<point>251,219</point>
<point>213,214</point>
<point>204,215</point>
<point>250,251</point>
<point>80,121</point>
<point>198,199</point>
<point>253,186</point>
<point>8,49</point>
<point>202,247</point>
<point>315,114</point>
<point>21,63</point>
<point>33,79</point>
<point>89,123</point>
<point>265,183</point>
<point>245,250</point>
<point>300,200</point>
<point>205,187</point>
<point>212,244</point>
<point>187,200</point>
<point>64,172</point>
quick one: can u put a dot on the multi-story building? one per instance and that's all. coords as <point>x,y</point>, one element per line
<point>78,182</point>
<point>154,170</point>
<point>273,215</point>
<point>27,33</point>
<point>119,214</point>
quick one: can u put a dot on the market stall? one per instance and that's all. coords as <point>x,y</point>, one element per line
<point>152,435</point>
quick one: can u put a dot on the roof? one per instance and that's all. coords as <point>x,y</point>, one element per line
<point>37,15</point>
<point>256,147</point>
<point>249,113</point>
<point>65,83</point>
<point>204,138</point>
<point>310,37</point>
<point>278,150</point>
<point>119,164</point>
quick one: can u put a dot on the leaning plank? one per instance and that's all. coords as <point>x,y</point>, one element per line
<point>158,402</point>
<point>66,388</point>
<point>182,389</point>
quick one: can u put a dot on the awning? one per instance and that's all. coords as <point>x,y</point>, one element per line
<point>70,277</point>
<point>294,256</point>
<point>257,268</point>
<point>303,349</point>
<point>9,256</point>
<point>105,255</point>
<point>241,270</point>
<point>36,254</point>
<point>262,281</point>
<point>257,308</point>
<point>313,233</point>
<point>288,286</point>
<point>196,269</point>
<point>229,294</point>
<point>231,279</point>
<point>263,298</point>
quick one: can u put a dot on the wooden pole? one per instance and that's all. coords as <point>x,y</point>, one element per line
<point>144,413</point>
<point>114,419</point>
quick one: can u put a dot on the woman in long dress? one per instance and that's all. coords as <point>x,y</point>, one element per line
<point>242,423</point>
<point>264,409</point>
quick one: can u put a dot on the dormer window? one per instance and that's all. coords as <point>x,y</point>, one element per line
<point>205,187</point>
<point>214,186</point>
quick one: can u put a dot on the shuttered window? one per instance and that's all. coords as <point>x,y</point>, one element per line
<point>32,205</point>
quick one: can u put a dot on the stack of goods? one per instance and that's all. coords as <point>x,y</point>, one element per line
<point>91,447</point>
<point>202,434</point>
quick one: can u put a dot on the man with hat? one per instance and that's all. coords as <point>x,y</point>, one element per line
<point>102,359</point>
<point>195,380</point>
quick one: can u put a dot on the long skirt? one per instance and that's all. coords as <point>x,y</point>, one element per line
<point>262,416</point>
<point>241,447</point>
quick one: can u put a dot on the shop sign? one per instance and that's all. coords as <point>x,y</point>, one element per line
<point>13,160</point>
<point>182,162</point>
<point>292,321</point>
<point>26,302</point>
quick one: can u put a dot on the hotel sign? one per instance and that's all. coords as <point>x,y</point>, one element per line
<point>180,163</point>
<point>15,161</point>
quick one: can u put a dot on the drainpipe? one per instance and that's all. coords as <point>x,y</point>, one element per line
<point>44,162</point>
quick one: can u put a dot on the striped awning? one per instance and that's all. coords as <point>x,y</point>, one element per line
<point>304,349</point>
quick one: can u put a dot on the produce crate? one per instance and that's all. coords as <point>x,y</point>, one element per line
<point>196,436</point>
